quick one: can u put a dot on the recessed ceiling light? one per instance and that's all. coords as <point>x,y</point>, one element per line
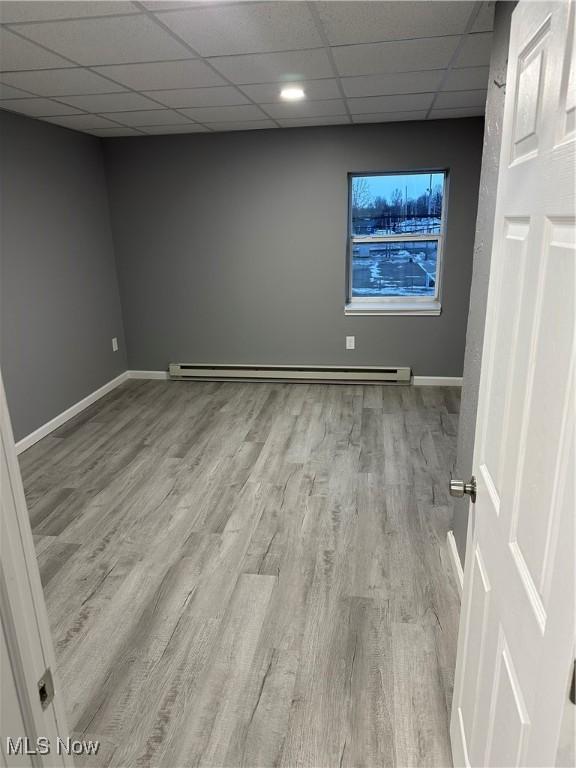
<point>292,94</point>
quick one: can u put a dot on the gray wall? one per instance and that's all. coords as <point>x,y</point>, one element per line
<point>482,253</point>
<point>231,247</point>
<point>60,303</point>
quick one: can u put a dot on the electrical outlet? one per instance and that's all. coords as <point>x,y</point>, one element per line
<point>115,344</point>
<point>350,342</point>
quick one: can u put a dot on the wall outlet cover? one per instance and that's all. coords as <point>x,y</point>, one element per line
<point>115,344</point>
<point>350,342</point>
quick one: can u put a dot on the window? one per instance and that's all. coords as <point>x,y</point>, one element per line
<point>397,223</point>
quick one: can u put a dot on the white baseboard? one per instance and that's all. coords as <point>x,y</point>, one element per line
<point>455,560</point>
<point>148,374</point>
<point>69,413</point>
<point>437,381</point>
<point>417,381</point>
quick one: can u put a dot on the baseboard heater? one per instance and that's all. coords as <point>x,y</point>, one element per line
<point>366,374</point>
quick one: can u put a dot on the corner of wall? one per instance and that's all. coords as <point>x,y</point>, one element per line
<point>125,349</point>
<point>481,262</point>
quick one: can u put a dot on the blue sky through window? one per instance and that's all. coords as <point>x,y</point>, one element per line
<point>415,183</point>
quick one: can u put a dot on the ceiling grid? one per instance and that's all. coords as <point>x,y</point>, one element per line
<point>115,68</point>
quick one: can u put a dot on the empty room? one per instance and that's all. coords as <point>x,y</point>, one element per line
<point>287,383</point>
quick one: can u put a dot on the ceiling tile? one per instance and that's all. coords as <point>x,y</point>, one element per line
<point>475,51</point>
<point>402,56</point>
<point>242,126</point>
<point>460,99</point>
<point>468,78</point>
<point>401,82</point>
<point>162,75</point>
<point>110,102</point>
<point>60,82</point>
<point>485,19</point>
<point>163,5</point>
<point>389,117</point>
<point>223,96</point>
<point>302,122</point>
<point>225,114</point>
<point>443,114</point>
<point>265,93</point>
<point>146,117</point>
<point>154,130</point>
<point>81,122</point>
<point>16,54</point>
<point>7,92</point>
<point>116,40</point>
<point>12,11</point>
<point>268,67</point>
<point>395,103</point>
<point>371,22</point>
<point>306,108</point>
<point>118,130</point>
<point>215,30</point>
<point>37,107</point>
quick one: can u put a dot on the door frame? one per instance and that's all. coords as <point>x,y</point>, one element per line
<point>24,617</point>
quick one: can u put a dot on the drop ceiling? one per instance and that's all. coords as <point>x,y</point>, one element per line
<point>115,68</point>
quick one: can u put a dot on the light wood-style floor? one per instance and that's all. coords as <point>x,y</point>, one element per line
<point>252,575</point>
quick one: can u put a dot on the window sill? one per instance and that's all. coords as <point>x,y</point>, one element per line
<point>409,308</point>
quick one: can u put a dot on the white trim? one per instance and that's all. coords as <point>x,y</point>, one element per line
<point>417,381</point>
<point>455,560</point>
<point>399,238</point>
<point>69,413</point>
<point>366,307</point>
<point>147,374</point>
<point>25,629</point>
<point>437,381</point>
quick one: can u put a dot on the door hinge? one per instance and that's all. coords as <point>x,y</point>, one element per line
<point>46,689</point>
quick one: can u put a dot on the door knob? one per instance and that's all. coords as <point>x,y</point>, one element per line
<point>459,488</point>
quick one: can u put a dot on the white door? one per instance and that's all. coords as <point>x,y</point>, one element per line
<point>25,642</point>
<point>516,641</point>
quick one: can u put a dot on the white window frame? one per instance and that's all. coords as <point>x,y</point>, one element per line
<point>397,305</point>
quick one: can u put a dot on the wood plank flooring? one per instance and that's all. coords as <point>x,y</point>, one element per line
<point>252,575</point>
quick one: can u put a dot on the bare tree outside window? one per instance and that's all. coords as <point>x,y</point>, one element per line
<point>360,193</point>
